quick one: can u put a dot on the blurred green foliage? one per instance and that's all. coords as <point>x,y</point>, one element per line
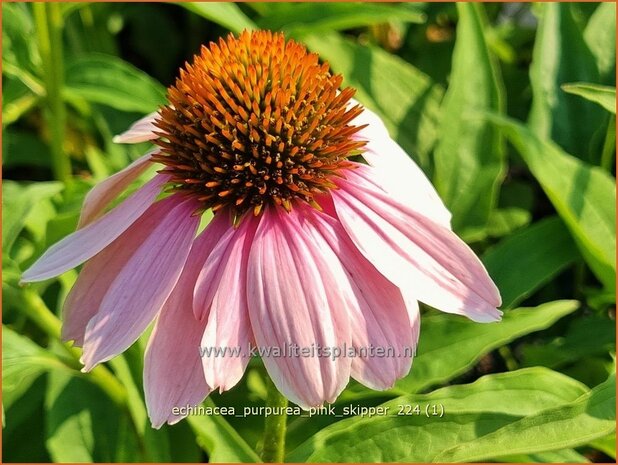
<point>509,108</point>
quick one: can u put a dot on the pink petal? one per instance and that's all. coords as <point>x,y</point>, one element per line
<point>228,324</point>
<point>104,192</point>
<point>298,294</point>
<point>414,252</point>
<point>144,284</point>
<point>141,131</point>
<point>173,375</point>
<point>84,243</point>
<point>396,172</point>
<point>383,319</point>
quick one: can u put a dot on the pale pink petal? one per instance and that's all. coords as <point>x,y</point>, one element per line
<point>298,294</point>
<point>414,252</point>
<point>84,243</point>
<point>141,131</point>
<point>95,278</point>
<point>173,375</point>
<point>383,319</point>
<point>228,324</point>
<point>143,285</point>
<point>104,192</point>
<point>396,172</point>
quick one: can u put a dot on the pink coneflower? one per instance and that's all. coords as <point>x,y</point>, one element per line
<point>308,245</point>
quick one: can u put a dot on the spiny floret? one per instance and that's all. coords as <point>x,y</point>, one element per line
<point>256,120</point>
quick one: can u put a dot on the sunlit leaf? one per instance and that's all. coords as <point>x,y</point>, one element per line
<point>228,15</point>
<point>603,95</point>
<point>469,157</point>
<point>584,196</point>
<point>471,412</point>
<point>562,56</point>
<point>600,35</point>
<point>108,80</point>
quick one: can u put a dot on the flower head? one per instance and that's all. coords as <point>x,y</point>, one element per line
<point>308,246</point>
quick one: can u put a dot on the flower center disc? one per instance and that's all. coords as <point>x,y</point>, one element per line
<point>256,120</point>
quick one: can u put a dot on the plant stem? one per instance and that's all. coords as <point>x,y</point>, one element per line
<point>43,317</point>
<point>48,18</point>
<point>607,156</point>
<point>273,450</point>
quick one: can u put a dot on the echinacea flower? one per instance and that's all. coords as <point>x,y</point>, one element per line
<point>324,233</point>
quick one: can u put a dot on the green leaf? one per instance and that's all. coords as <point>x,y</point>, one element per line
<point>23,362</point>
<point>305,17</point>
<point>17,202</point>
<point>600,35</point>
<point>591,416</point>
<point>220,440</point>
<point>583,195</point>
<point>450,345</point>
<point>111,81</point>
<point>560,56</point>
<point>469,157</point>
<point>607,445</point>
<point>523,262</point>
<point>18,46</point>
<point>504,221</point>
<point>406,99</point>
<point>603,95</point>
<point>84,425</point>
<point>469,412</point>
<point>228,15</point>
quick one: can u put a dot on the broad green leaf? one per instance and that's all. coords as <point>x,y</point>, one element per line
<point>84,425</point>
<point>228,15</point>
<point>305,17</point>
<point>23,361</point>
<point>470,411</point>
<point>591,416</point>
<point>450,345</point>
<point>469,157</point>
<point>18,48</point>
<point>17,202</point>
<point>600,35</point>
<point>406,99</point>
<point>603,95</point>
<point>220,440</point>
<point>561,56</point>
<point>583,195</point>
<point>108,80</point>
<point>523,262</point>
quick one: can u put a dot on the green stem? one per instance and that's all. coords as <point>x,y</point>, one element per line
<point>607,156</point>
<point>48,18</point>
<point>273,450</point>
<point>43,317</point>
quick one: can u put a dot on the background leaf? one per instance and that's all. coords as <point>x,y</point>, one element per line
<point>603,95</point>
<point>469,159</point>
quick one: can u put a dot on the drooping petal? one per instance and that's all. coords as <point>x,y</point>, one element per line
<point>173,375</point>
<point>414,252</point>
<point>104,192</point>
<point>141,131</point>
<point>298,294</point>
<point>228,323</point>
<point>143,285</point>
<point>84,243</point>
<point>396,172</point>
<point>383,320</point>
